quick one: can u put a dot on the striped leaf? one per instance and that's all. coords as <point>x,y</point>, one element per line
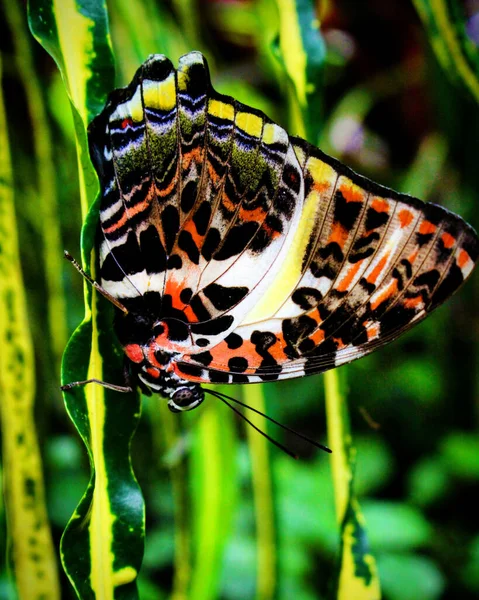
<point>214,496</point>
<point>266,535</point>
<point>302,49</point>
<point>47,203</point>
<point>202,520</point>
<point>357,576</point>
<point>445,23</point>
<point>149,28</point>
<point>102,546</point>
<point>31,550</point>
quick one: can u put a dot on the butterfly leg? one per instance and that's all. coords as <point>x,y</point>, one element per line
<point>94,283</point>
<point>111,386</point>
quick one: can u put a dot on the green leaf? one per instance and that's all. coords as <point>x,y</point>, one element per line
<point>428,481</point>
<point>149,28</point>
<point>31,549</point>
<point>407,577</point>
<point>263,497</point>
<point>445,22</point>
<point>75,34</point>
<point>214,495</point>
<point>406,526</point>
<point>46,201</point>
<point>357,576</point>
<point>102,546</point>
<point>459,454</point>
<point>301,51</point>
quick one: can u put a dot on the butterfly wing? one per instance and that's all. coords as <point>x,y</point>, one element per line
<point>201,200</point>
<point>268,258</point>
<point>366,264</point>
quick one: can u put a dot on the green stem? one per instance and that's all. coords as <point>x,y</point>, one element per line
<point>338,438</point>
<point>263,499</point>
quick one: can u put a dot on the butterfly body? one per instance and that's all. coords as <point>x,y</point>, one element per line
<point>244,255</point>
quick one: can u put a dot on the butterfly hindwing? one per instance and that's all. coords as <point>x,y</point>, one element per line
<point>268,258</point>
<point>361,278</point>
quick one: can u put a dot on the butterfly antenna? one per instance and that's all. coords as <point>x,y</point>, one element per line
<point>297,433</point>
<point>95,284</point>
<point>301,435</point>
<point>240,414</point>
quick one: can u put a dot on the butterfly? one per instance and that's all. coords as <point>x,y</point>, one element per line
<point>236,253</point>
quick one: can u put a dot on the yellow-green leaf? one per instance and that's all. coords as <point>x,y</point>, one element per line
<point>31,549</point>
<point>46,200</point>
<point>214,495</point>
<point>445,23</point>
<point>357,577</point>
<point>302,53</point>
<point>102,546</point>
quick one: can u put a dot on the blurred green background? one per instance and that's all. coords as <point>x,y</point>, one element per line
<point>389,111</point>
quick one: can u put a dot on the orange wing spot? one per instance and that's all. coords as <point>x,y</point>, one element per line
<point>153,372</point>
<point>351,194</point>
<point>348,278</point>
<point>413,257</point>
<point>322,186</point>
<point>372,330</point>
<point>134,352</point>
<point>189,314</point>
<point>380,205</point>
<point>338,234</point>
<point>463,259</point>
<point>427,227</point>
<point>277,350</point>
<point>176,369</point>
<point>191,228</point>
<point>339,343</point>
<point>317,337</point>
<point>228,203</point>
<point>257,214</point>
<point>173,288</point>
<point>413,302</point>
<point>151,356</point>
<point>162,192</point>
<point>378,268</point>
<point>405,218</point>
<point>195,155</point>
<point>390,290</point>
<point>248,350</point>
<point>130,212</point>
<point>447,240</point>
<point>212,173</point>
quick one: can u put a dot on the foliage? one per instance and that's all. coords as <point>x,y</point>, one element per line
<point>227,515</point>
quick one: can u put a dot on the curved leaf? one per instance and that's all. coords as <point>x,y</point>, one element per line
<point>445,22</point>
<point>266,574</point>
<point>214,495</point>
<point>31,548</point>
<point>75,33</point>
<point>47,202</point>
<point>102,546</point>
<point>302,51</point>
<point>357,576</point>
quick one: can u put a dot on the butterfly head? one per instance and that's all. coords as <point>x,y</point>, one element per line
<point>185,397</point>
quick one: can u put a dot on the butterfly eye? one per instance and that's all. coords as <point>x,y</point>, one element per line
<point>185,398</point>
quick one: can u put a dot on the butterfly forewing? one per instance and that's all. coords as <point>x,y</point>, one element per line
<point>276,259</point>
